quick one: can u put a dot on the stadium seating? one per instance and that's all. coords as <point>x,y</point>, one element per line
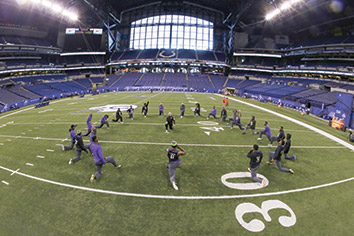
<point>218,81</point>
<point>174,80</point>
<point>150,79</point>
<point>199,82</point>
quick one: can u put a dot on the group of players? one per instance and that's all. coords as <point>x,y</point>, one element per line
<point>175,152</point>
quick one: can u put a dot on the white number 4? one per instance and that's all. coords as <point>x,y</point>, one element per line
<point>257,225</point>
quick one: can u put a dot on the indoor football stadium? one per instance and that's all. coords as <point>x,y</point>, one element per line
<point>204,117</point>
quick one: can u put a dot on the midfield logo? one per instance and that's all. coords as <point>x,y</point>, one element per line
<point>113,108</point>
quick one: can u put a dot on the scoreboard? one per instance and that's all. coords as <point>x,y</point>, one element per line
<point>84,30</point>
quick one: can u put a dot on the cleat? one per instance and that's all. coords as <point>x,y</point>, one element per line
<point>259,139</point>
<point>174,186</point>
<point>291,171</point>
<point>92,178</point>
<point>263,183</point>
<point>207,118</point>
<point>118,166</point>
<point>270,162</point>
<point>62,148</point>
<point>145,116</point>
<point>243,133</point>
<point>70,161</point>
<point>122,122</point>
<point>270,145</point>
<point>181,117</point>
<point>294,157</point>
<point>166,131</point>
<point>249,170</point>
<point>232,128</point>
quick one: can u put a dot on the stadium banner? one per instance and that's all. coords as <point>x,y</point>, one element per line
<point>344,108</point>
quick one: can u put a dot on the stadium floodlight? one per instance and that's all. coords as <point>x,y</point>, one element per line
<point>285,6</point>
<point>21,2</point>
<point>57,8</point>
<point>46,3</point>
<point>36,1</point>
<point>295,1</point>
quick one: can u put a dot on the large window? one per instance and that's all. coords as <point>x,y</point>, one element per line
<point>172,31</point>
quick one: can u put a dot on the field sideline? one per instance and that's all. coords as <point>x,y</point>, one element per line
<point>203,205</point>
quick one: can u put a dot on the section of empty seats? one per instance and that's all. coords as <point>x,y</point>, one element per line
<point>130,55</point>
<point>20,91</point>
<point>206,55</point>
<point>112,79</point>
<point>150,79</point>
<point>199,82</point>
<point>148,54</point>
<point>116,55</point>
<point>97,80</point>
<point>232,83</point>
<point>220,56</point>
<point>218,81</point>
<point>187,54</point>
<point>128,79</point>
<point>84,82</point>
<point>7,97</point>
<point>326,99</point>
<point>174,80</point>
<point>305,94</point>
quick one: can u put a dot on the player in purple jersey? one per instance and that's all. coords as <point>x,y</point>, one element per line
<point>98,157</point>
<point>174,158</point>
<point>266,131</point>
<point>79,147</point>
<point>161,109</point>
<point>104,121</point>
<point>212,113</point>
<point>89,125</point>
<point>72,137</point>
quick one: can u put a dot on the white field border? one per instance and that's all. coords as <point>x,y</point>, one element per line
<point>204,197</point>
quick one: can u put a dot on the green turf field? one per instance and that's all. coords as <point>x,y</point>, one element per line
<point>138,198</point>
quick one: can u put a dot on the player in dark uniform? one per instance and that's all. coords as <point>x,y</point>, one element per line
<point>182,108</point>
<point>251,125</point>
<point>119,116</point>
<point>351,136</point>
<point>174,158</point>
<point>223,114</point>
<point>89,125</point>
<point>287,148</point>
<point>79,147</point>
<point>280,136</point>
<point>197,110</point>
<point>130,112</point>
<point>170,122</point>
<point>255,160</point>
<point>145,109</point>
<point>276,155</point>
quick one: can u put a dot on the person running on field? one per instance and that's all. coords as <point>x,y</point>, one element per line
<point>255,156</point>
<point>89,125</point>
<point>251,125</point>
<point>161,109</point>
<point>119,116</point>
<point>182,108</point>
<point>98,158</point>
<point>104,121</point>
<point>170,122</point>
<point>287,148</point>
<point>212,113</point>
<point>266,131</point>
<point>79,147</point>
<point>145,109</point>
<point>223,114</point>
<point>276,155</point>
<point>72,137</point>
<point>280,136</point>
<point>197,110</point>
<point>174,158</point>
<point>233,117</point>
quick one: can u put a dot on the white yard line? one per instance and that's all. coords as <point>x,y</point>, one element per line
<point>4,182</point>
<point>179,197</point>
<point>325,134</point>
<point>184,144</point>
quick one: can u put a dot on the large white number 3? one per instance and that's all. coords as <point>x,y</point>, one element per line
<point>257,225</point>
